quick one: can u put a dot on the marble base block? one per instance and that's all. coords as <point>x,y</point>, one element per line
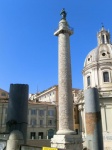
<point>67,142</point>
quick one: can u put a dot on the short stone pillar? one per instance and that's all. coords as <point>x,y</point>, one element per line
<point>17,109</point>
<point>81,120</point>
<point>94,138</point>
<point>15,140</point>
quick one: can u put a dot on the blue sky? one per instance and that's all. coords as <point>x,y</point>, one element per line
<point>28,48</point>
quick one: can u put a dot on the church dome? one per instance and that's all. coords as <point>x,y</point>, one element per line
<point>91,57</point>
<point>102,52</point>
<point>97,71</point>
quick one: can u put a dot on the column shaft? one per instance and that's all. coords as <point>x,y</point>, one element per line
<point>93,119</point>
<point>65,85</point>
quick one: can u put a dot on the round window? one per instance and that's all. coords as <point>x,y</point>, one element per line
<point>103,54</point>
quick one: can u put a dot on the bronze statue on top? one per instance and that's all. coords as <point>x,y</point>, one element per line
<point>63,14</point>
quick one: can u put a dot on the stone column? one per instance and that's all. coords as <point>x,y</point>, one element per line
<point>17,108</point>
<point>64,79</point>
<point>84,123</point>
<point>65,138</point>
<point>81,120</point>
<point>93,120</point>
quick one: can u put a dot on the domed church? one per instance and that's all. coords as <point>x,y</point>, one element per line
<point>97,72</point>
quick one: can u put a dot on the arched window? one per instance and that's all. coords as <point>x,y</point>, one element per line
<point>107,39</point>
<point>88,81</point>
<point>105,76</point>
<point>103,40</point>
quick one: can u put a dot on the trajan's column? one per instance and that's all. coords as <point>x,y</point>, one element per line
<point>65,137</point>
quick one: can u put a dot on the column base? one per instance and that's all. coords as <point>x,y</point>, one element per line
<point>67,142</point>
<point>66,132</point>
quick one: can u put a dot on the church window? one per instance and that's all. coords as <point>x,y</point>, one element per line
<point>103,41</point>
<point>88,81</point>
<point>107,39</point>
<point>88,59</point>
<point>103,54</point>
<point>106,76</point>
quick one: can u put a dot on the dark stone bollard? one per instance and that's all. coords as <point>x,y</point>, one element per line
<point>17,108</point>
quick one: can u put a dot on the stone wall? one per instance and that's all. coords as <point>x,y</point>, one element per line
<point>39,143</point>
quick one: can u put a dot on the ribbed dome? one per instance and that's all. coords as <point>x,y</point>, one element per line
<point>104,50</point>
<point>91,57</point>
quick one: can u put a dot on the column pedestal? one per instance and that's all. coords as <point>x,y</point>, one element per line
<point>67,142</point>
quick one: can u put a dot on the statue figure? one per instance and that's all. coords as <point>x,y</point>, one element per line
<point>63,14</point>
